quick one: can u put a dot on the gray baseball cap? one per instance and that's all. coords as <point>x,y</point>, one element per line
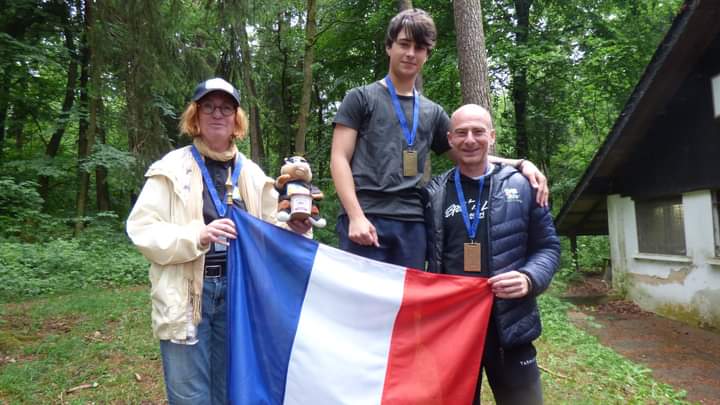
<point>215,84</point>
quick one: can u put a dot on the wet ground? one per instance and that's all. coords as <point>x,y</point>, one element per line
<point>682,356</point>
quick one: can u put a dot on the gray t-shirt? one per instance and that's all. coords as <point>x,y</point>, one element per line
<point>377,161</point>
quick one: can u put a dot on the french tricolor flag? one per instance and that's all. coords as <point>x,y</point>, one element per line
<point>310,324</point>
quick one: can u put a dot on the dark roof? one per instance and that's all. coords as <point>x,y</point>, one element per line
<point>692,32</point>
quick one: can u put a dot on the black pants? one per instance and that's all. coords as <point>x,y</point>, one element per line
<point>513,374</point>
<point>401,242</point>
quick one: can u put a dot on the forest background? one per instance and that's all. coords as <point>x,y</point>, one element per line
<point>91,93</point>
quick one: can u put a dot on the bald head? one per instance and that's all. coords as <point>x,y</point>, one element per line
<point>471,136</point>
<point>470,112</point>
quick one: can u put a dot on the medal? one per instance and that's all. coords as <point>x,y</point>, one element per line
<point>410,162</point>
<point>472,251</point>
<point>471,257</point>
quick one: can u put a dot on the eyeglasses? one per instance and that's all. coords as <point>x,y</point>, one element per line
<point>209,108</point>
<point>479,132</point>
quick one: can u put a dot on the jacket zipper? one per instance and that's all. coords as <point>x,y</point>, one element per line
<point>487,225</point>
<point>489,258</point>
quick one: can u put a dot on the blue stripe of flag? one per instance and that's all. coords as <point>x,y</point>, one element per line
<point>269,270</point>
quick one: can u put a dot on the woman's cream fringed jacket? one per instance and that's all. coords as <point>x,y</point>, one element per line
<point>165,225</point>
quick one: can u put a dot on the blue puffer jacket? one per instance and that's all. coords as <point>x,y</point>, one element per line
<point>522,237</point>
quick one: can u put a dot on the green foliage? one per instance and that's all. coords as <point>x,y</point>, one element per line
<point>329,209</point>
<point>582,59</point>
<point>101,257</point>
<point>20,215</point>
<point>59,169</point>
<point>108,157</point>
<point>563,278</point>
<point>115,161</point>
<point>593,253</point>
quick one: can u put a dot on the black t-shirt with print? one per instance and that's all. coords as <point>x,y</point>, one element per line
<point>456,234</point>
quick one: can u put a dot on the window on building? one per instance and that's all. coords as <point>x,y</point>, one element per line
<point>660,226</point>
<point>716,221</point>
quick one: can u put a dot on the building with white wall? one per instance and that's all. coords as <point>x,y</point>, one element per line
<point>654,185</point>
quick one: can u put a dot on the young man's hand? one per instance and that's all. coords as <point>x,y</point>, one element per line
<point>538,181</point>
<point>362,232</point>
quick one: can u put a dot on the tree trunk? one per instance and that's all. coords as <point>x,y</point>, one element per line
<point>404,4</point>
<point>471,53</point>
<point>15,24</point>
<point>310,33</point>
<point>102,189</point>
<point>380,58</point>
<point>518,73</point>
<point>257,152</point>
<point>18,115</point>
<point>320,164</point>
<point>16,123</point>
<point>285,105</point>
<point>4,90</point>
<point>53,147</point>
<point>86,127</point>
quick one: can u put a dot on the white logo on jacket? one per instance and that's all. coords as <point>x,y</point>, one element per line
<point>511,195</point>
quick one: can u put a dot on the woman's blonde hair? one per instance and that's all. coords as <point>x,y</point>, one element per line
<point>190,124</point>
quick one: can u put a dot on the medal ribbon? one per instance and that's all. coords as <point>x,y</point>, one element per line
<point>471,227</point>
<point>219,206</point>
<point>409,136</point>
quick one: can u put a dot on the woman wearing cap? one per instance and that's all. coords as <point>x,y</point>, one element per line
<point>178,225</point>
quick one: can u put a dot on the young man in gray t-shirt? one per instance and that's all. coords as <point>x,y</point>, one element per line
<point>382,135</point>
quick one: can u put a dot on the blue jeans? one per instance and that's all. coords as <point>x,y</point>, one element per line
<point>401,242</point>
<point>196,374</point>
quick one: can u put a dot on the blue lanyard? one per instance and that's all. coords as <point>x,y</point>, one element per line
<point>409,136</point>
<point>472,227</point>
<point>219,206</point>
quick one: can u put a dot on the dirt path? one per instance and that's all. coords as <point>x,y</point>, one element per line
<point>679,355</point>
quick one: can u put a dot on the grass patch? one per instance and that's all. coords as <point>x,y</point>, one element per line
<point>578,369</point>
<point>48,346</point>
<point>51,344</point>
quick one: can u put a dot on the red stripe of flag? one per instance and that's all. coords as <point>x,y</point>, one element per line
<point>437,340</point>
